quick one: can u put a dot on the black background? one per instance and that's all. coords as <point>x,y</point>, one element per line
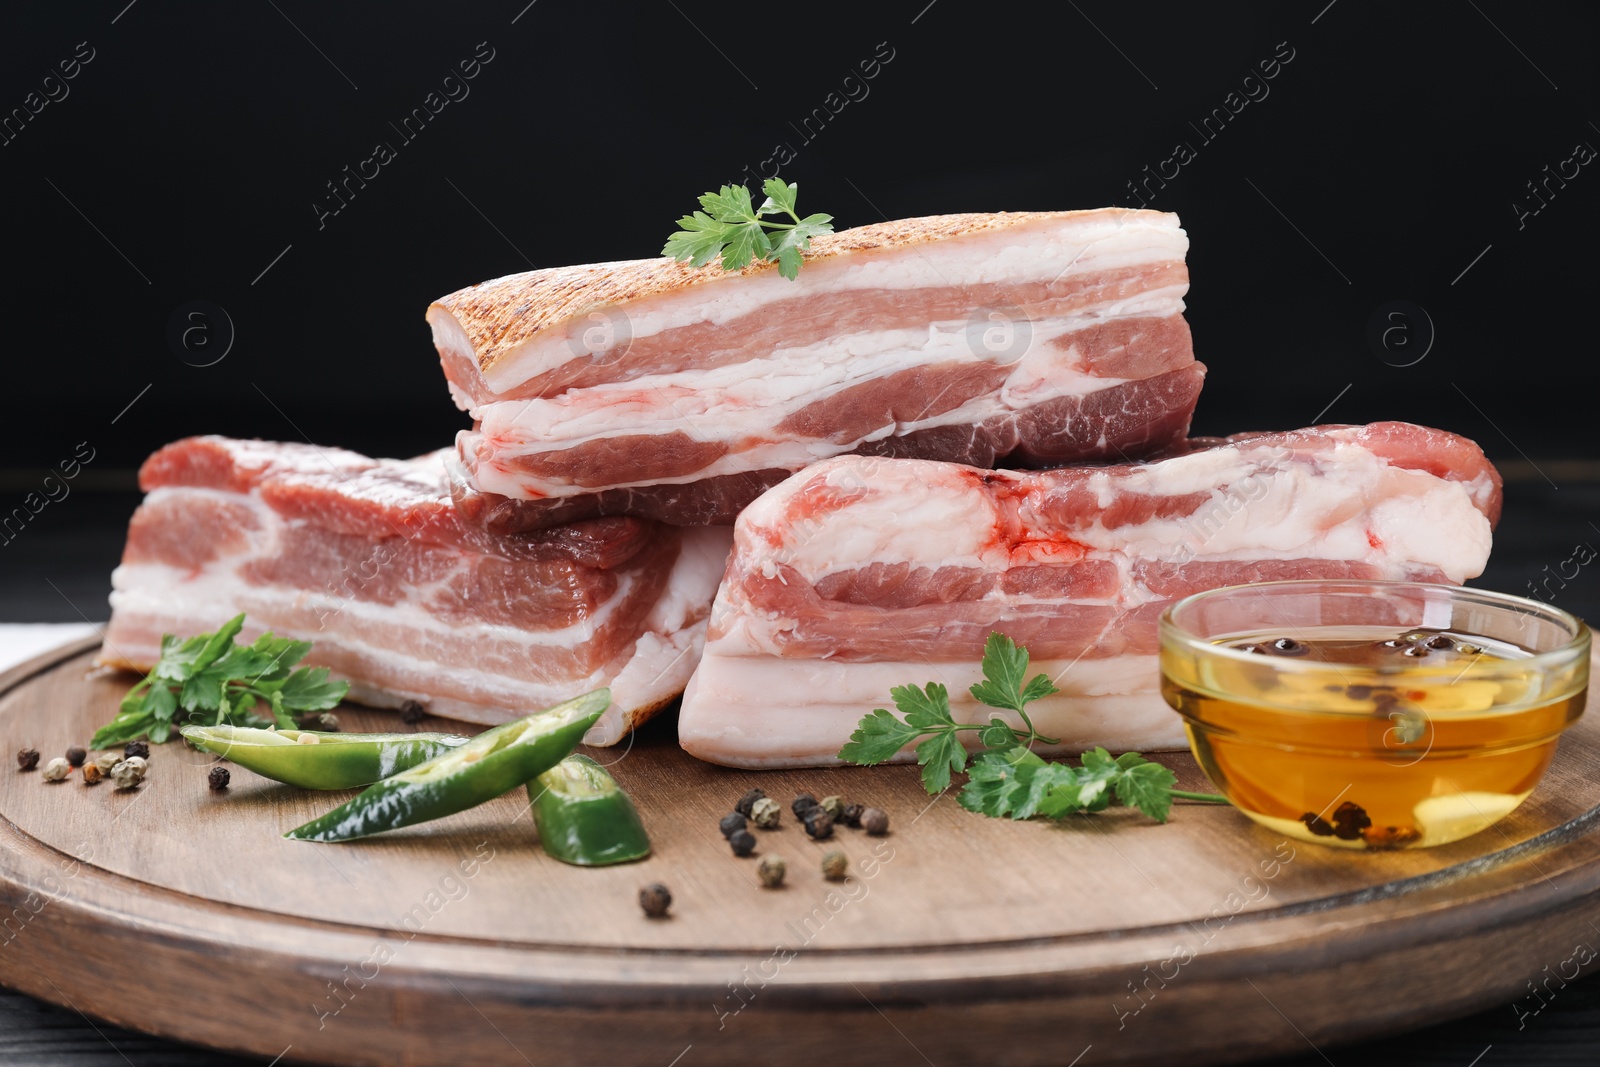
<point>1385,163</point>
<point>1386,157</point>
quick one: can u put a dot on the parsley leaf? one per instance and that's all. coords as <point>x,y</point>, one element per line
<point>732,228</point>
<point>210,679</point>
<point>1007,779</point>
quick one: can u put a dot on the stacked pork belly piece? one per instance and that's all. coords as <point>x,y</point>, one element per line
<point>678,393</point>
<point>943,427</point>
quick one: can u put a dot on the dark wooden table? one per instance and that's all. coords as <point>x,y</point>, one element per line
<point>63,577</point>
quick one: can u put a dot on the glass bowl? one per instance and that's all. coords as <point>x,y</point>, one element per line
<point>1421,741</point>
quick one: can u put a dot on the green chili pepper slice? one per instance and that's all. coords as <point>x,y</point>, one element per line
<point>331,761</point>
<point>584,817</point>
<point>491,764</point>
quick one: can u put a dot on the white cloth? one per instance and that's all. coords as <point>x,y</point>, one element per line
<point>21,641</point>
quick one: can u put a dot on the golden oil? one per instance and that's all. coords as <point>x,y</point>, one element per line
<point>1369,737</point>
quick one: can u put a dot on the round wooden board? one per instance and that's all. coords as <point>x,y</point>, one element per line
<point>957,939</point>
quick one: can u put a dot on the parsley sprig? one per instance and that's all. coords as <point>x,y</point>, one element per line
<point>1008,779</point>
<point>731,227</point>
<point>209,679</point>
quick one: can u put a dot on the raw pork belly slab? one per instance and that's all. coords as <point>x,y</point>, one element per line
<point>678,393</point>
<point>369,560</point>
<point>860,574</point>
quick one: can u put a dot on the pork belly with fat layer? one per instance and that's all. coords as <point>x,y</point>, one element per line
<point>860,574</point>
<point>653,388</point>
<point>369,560</point>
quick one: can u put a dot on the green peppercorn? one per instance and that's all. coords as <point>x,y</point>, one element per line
<point>875,821</point>
<point>834,865</point>
<point>748,801</point>
<point>766,813</point>
<point>743,842</point>
<point>655,899</point>
<point>771,870</point>
<point>731,823</point>
<point>834,806</point>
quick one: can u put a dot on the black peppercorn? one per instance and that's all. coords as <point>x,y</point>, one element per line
<point>819,824</point>
<point>136,748</point>
<point>27,758</point>
<point>743,842</point>
<point>218,779</point>
<point>1349,820</point>
<point>748,802</point>
<point>801,803</point>
<point>1440,641</point>
<point>875,821</point>
<point>1288,646</point>
<point>655,899</point>
<point>412,712</point>
<point>1317,824</point>
<point>852,815</point>
<point>76,755</point>
<point>731,823</point>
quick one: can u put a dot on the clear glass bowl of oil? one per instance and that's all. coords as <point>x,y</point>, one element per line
<point>1373,715</point>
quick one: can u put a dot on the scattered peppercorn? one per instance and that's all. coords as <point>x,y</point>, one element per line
<point>140,749</point>
<point>819,824</point>
<point>129,773</point>
<point>834,864</point>
<point>107,760</point>
<point>1469,650</point>
<point>1440,641</point>
<point>743,842</point>
<point>1349,820</point>
<point>747,803</point>
<point>329,722</point>
<point>1415,651</point>
<point>1288,646</point>
<point>92,773</point>
<point>76,755</point>
<point>218,779</point>
<point>731,823</point>
<point>57,769</point>
<point>801,803</point>
<point>771,870</point>
<point>655,899</point>
<point>852,815</point>
<point>834,806</point>
<point>412,712</point>
<point>27,758</point>
<point>766,813</point>
<point>875,821</point>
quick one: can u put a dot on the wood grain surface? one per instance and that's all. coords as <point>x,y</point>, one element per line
<point>181,912</point>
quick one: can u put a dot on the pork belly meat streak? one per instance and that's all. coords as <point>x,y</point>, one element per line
<point>862,573</point>
<point>370,560</point>
<point>657,389</point>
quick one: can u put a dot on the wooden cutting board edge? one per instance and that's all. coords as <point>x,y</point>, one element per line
<point>1340,976</point>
